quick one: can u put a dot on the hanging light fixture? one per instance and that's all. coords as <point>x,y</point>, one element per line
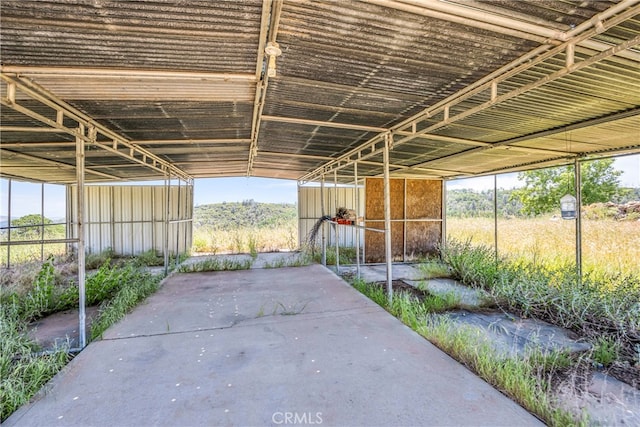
<point>568,206</point>
<point>568,202</point>
<point>272,50</point>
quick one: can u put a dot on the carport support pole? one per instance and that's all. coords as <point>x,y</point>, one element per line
<point>178,225</point>
<point>335,188</point>
<point>9,223</point>
<point>167,187</point>
<point>578,179</point>
<point>82,335</point>
<point>324,239</point>
<point>42,222</point>
<point>443,210</point>
<point>495,214</point>
<point>357,230</point>
<point>387,219</point>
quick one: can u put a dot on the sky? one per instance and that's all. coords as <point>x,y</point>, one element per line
<point>26,197</point>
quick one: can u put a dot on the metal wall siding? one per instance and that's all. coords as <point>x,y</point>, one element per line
<point>310,210</point>
<point>131,219</point>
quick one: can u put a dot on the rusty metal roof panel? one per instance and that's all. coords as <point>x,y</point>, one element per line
<point>290,98</point>
<point>293,138</point>
<point>169,120</point>
<point>183,80</point>
<point>561,14</point>
<point>160,35</point>
<point>364,45</point>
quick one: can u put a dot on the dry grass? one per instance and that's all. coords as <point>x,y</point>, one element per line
<point>245,240</point>
<point>30,253</point>
<point>607,246</point>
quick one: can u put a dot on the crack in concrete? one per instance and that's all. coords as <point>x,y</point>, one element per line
<point>314,315</point>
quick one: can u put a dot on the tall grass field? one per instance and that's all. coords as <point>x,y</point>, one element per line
<point>608,246</point>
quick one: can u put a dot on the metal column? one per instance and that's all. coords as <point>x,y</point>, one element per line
<point>443,214</point>
<point>68,219</point>
<point>42,222</point>
<point>9,223</point>
<point>387,219</point>
<point>324,239</point>
<point>578,182</point>
<point>167,188</point>
<point>80,236</point>
<point>495,214</point>
<point>178,225</point>
<point>357,209</point>
<point>335,207</point>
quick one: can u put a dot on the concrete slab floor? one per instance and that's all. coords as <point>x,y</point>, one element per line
<point>265,347</point>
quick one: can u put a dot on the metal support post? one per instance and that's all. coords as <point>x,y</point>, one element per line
<point>9,223</point>
<point>301,239</point>
<point>324,238</point>
<point>356,192</point>
<point>495,214</point>
<point>167,188</point>
<point>178,225</point>
<point>443,214</point>
<point>80,235</point>
<point>68,218</point>
<point>387,219</point>
<point>335,208</point>
<point>578,182</point>
<point>42,222</point>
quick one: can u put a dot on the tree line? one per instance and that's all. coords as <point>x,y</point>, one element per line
<point>542,191</point>
<point>248,213</point>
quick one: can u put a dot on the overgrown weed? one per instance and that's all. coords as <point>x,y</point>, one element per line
<point>298,260</point>
<point>527,381</point>
<point>347,255</point>
<point>23,371</point>
<point>595,305</point>
<point>216,264</point>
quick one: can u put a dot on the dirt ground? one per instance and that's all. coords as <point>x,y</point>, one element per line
<point>60,329</point>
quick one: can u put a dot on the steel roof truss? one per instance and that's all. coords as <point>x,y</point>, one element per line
<point>63,110</point>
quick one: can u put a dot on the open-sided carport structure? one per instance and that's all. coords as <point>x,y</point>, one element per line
<point>102,91</point>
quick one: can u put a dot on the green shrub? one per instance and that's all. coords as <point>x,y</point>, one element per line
<point>93,261</point>
<point>22,372</point>
<point>150,258</point>
<point>605,350</point>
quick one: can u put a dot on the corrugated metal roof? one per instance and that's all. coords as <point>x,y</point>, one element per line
<point>462,87</point>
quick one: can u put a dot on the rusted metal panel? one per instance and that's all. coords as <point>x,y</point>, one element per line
<point>175,76</point>
<point>220,35</point>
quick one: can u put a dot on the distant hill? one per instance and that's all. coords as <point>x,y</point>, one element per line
<point>244,214</point>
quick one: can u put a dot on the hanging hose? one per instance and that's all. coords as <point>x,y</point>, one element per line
<point>313,234</point>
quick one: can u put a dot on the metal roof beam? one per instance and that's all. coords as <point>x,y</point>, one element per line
<point>271,10</point>
<point>31,129</point>
<point>477,18</point>
<point>293,120</point>
<point>64,110</point>
<point>38,144</point>
<point>588,29</point>
<point>230,141</point>
<point>474,18</point>
<point>294,156</point>
<point>9,154</point>
<point>487,144</point>
<point>22,71</point>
